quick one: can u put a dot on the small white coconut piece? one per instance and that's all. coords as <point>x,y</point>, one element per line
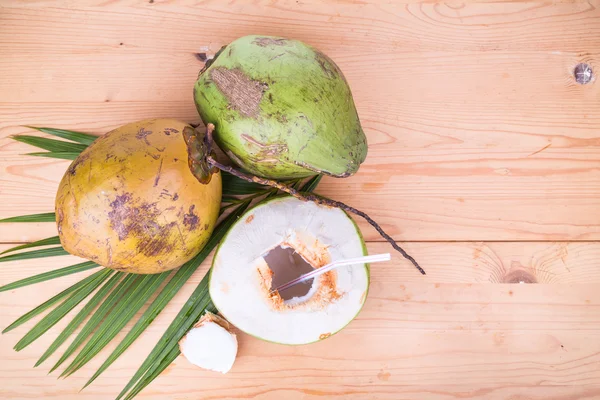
<point>210,344</point>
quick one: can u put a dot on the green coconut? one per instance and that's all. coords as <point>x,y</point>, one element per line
<point>281,109</point>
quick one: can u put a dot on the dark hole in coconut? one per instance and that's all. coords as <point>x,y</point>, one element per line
<point>286,265</point>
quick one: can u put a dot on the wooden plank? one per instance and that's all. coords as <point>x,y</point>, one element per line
<point>461,183</point>
<point>444,262</point>
<point>477,134</point>
<point>396,26</point>
<point>476,128</point>
<point>417,336</point>
<point>523,366</point>
<point>376,80</point>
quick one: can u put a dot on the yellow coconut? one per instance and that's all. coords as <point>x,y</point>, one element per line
<point>130,202</point>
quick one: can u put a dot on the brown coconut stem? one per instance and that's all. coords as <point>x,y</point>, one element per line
<point>306,197</point>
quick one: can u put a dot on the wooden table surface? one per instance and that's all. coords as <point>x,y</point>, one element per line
<point>484,161</point>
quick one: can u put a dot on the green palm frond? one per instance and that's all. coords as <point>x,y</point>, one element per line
<point>80,317</point>
<point>169,291</point>
<point>41,253</point>
<point>187,317</point>
<point>46,276</point>
<point>44,242</point>
<point>98,316</point>
<point>49,303</point>
<point>124,311</point>
<point>151,375</point>
<point>190,306</point>
<point>56,315</point>
<point>44,217</point>
<point>312,184</point>
<point>233,186</point>
<point>199,302</point>
<point>79,137</point>
<point>62,155</point>
<point>50,144</point>
<point>118,296</point>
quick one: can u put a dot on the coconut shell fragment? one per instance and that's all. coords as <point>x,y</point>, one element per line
<point>210,344</point>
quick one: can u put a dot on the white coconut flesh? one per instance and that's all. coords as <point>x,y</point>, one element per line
<point>210,344</point>
<point>275,242</point>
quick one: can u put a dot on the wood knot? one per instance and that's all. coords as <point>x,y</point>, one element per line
<point>519,276</point>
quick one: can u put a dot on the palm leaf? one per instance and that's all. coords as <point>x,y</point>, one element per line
<point>49,303</point>
<point>169,291</point>
<point>44,242</point>
<point>80,317</point>
<point>311,184</point>
<point>61,155</point>
<point>198,303</point>
<point>56,315</point>
<point>57,273</point>
<point>51,252</point>
<point>117,305</point>
<point>45,217</point>
<point>234,186</point>
<point>123,312</point>
<point>101,313</point>
<point>78,137</point>
<point>168,337</point>
<point>50,144</point>
<point>160,367</point>
<point>167,349</point>
<point>188,315</point>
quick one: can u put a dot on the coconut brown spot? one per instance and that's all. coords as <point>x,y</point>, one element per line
<point>267,41</point>
<point>191,219</point>
<point>169,131</point>
<point>157,177</point>
<point>108,251</point>
<point>157,240</point>
<point>59,220</point>
<point>327,65</point>
<point>250,218</point>
<point>119,215</point>
<point>128,218</point>
<point>83,157</point>
<point>143,135</point>
<point>324,335</point>
<point>242,93</point>
<point>266,152</point>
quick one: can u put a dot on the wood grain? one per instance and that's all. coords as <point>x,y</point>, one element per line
<point>484,160</point>
<point>460,325</point>
<point>477,130</point>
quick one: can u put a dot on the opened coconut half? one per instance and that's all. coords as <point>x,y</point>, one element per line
<point>275,242</point>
